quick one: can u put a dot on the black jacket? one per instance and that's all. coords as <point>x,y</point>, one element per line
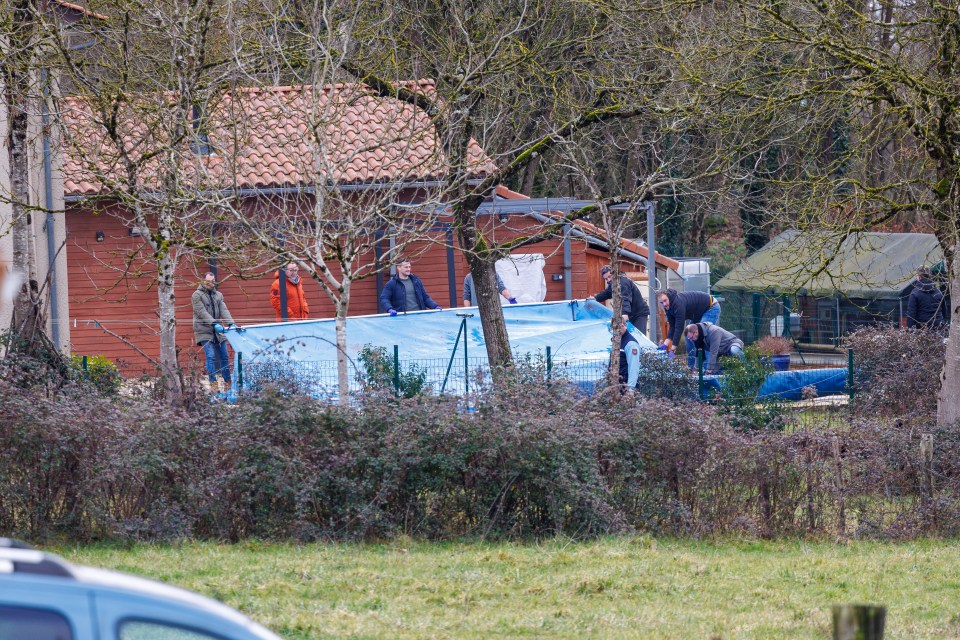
<point>632,303</point>
<point>688,305</point>
<point>925,305</point>
<point>394,295</point>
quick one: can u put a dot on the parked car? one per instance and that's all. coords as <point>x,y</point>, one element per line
<point>43,597</point>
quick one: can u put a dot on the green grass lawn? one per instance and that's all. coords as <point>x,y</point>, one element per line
<point>636,587</point>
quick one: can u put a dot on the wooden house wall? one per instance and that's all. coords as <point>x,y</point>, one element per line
<point>113,299</point>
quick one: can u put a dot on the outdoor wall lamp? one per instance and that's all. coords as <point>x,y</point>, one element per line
<point>503,216</point>
<point>100,236</point>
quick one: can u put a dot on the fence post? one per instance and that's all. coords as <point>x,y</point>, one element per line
<point>86,370</point>
<point>549,364</point>
<point>239,372</point>
<point>850,372</point>
<point>396,368</point>
<point>466,363</point>
<point>858,622</point>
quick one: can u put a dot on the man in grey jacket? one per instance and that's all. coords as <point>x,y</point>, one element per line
<point>716,342</point>
<point>210,316</point>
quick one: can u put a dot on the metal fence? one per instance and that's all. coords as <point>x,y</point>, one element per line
<point>456,375</point>
<point>808,320</point>
<point>810,373</point>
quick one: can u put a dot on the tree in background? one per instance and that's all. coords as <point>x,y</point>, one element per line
<point>859,101</point>
<point>523,80</point>
<point>135,123</point>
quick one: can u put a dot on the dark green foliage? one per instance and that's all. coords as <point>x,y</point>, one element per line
<point>738,400</point>
<point>379,375</point>
<point>665,377</point>
<point>98,371</point>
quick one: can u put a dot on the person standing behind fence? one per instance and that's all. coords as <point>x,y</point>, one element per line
<point>694,306</point>
<point>297,308</point>
<point>629,358</point>
<point>405,292</point>
<point>632,305</point>
<point>925,304</point>
<point>210,316</point>
<point>469,299</point>
<point>715,342</point>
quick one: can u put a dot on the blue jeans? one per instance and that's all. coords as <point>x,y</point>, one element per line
<point>711,315</point>
<point>217,360</point>
<point>737,351</point>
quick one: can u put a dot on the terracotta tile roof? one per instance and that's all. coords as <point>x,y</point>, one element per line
<point>275,137</point>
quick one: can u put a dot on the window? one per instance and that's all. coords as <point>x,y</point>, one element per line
<point>22,623</point>
<point>153,630</point>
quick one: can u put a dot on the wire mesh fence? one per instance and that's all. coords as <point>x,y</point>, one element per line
<point>807,378</point>
<point>457,376</point>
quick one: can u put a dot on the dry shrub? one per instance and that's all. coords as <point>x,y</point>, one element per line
<point>533,460</point>
<point>896,372</point>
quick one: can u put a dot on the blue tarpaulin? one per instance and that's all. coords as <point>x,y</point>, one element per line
<point>575,331</point>
<point>789,385</point>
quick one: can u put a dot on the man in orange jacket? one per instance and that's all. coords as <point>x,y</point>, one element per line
<point>297,308</point>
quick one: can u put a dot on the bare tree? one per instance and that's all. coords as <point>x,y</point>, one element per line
<point>520,79</point>
<point>857,99</point>
<point>135,125</point>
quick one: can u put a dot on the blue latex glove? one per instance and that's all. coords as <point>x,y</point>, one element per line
<point>218,328</point>
<point>392,312</point>
<point>439,309</point>
<point>512,300</point>
<point>662,347</point>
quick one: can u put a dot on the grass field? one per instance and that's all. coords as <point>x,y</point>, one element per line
<point>636,587</point>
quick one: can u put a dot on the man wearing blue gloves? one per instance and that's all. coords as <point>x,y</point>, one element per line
<point>469,298</point>
<point>679,307</point>
<point>405,292</point>
<point>210,316</point>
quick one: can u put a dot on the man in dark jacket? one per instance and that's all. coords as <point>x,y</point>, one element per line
<point>715,342</point>
<point>405,292</point>
<point>210,316</point>
<point>632,305</point>
<point>694,306</point>
<point>925,304</point>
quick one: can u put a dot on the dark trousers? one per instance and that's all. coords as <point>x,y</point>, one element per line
<point>641,324</point>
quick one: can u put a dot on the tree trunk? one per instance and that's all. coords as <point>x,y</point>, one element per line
<point>494,326</point>
<point>613,372</point>
<point>343,373</point>
<point>16,77</point>
<point>481,265</point>
<point>166,298</point>
<point>948,405</point>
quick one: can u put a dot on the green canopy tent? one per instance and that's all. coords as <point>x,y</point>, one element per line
<point>824,289</point>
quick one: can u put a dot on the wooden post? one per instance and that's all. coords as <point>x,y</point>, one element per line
<point>926,469</point>
<point>858,622</point>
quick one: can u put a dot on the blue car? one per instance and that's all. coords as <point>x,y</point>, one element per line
<point>43,597</point>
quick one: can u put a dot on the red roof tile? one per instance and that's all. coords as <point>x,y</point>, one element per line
<point>263,139</point>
